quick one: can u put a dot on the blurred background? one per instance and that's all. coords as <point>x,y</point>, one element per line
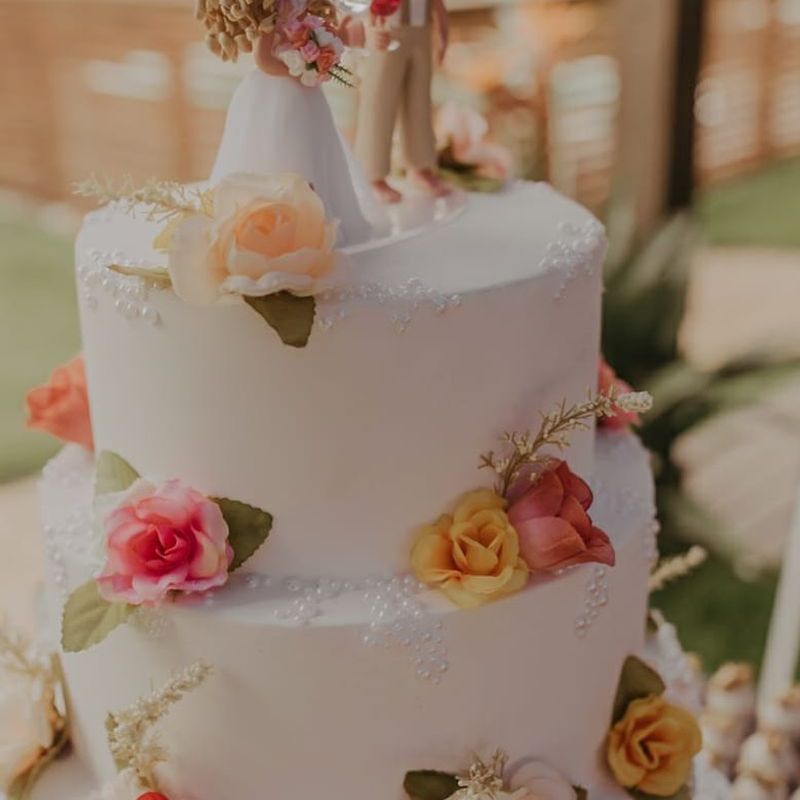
<point>676,121</point>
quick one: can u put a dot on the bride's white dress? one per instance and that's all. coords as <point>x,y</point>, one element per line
<point>275,124</point>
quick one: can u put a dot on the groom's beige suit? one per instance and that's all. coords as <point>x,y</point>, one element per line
<point>396,85</point>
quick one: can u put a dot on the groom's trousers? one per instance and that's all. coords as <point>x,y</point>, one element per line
<point>396,85</point>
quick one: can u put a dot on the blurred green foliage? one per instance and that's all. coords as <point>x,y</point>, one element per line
<point>720,616</point>
<point>38,330</point>
<point>760,209</point>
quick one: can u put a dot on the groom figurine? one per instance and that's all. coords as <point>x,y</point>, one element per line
<point>396,86</point>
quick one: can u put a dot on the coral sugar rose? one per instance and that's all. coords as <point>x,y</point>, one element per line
<point>473,555</point>
<point>555,530</point>
<point>651,748</point>
<point>162,539</point>
<point>61,407</point>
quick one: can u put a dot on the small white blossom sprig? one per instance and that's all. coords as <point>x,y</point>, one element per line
<point>165,199</point>
<point>132,734</point>
<point>484,780</point>
<point>554,432</point>
<point>677,567</point>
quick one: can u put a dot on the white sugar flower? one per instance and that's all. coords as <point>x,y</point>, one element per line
<point>27,721</point>
<point>310,78</point>
<point>294,62</point>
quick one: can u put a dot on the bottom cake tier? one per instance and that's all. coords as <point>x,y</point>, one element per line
<point>336,689</point>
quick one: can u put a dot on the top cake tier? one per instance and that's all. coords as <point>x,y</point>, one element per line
<point>437,343</point>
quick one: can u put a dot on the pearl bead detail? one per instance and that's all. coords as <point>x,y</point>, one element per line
<point>596,598</point>
<point>129,295</point>
<point>402,302</point>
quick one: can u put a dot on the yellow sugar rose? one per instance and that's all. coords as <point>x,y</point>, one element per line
<point>473,555</point>
<point>651,747</point>
<point>263,234</point>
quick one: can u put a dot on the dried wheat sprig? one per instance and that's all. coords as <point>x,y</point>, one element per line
<point>131,736</point>
<point>553,432</point>
<point>164,199</point>
<point>672,569</point>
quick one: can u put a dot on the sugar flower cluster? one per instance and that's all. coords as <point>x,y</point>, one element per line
<point>308,46</point>
<point>536,519</point>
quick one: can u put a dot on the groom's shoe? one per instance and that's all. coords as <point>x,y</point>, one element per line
<point>385,193</point>
<point>430,182</point>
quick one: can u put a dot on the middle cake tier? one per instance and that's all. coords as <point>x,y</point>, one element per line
<point>436,345</point>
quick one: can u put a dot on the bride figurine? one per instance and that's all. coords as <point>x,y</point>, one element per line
<point>279,120</point>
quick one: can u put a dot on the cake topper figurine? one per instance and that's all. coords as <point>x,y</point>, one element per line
<point>279,120</point>
<point>396,86</point>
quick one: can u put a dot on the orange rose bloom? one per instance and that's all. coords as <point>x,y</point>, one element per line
<point>61,407</point>
<point>652,747</point>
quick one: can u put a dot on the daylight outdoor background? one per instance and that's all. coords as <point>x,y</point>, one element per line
<point>676,121</point>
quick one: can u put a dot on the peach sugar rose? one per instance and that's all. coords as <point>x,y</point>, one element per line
<point>266,234</point>
<point>162,539</point>
<point>61,406</point>
<point>472,556</point>
<point>651,748</point>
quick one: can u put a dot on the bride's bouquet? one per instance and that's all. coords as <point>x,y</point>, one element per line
<point>303,31</point>
<point>309,46</point>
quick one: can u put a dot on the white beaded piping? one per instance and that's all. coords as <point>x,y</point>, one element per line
<point>129,294</point>
<point>405,300</point>
<point>596,598</point>
<point>396,616</point>
<point>579,251</point>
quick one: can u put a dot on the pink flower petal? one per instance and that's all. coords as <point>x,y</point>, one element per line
<point>543,499</point>
<point>548,543</point>
<point>575,486</point>
<point>573,513</point>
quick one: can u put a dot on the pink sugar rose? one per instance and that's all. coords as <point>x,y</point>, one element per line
<point>310,51</point>
<point>554,528</point>
<point>294,32</point>
<point>161,539</point>
<point>607,380</point>
<point>61,406</point>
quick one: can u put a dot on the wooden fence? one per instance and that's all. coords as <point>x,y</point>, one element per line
<point>113,86</point>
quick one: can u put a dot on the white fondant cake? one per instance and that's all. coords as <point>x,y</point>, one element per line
<point>336,671</point>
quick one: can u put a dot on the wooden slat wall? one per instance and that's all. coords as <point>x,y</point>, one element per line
<point>748,103</point>
<point>114,86</point>
<point>65,70</point>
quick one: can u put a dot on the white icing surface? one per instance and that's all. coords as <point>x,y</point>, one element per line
<point>306,710</point>
<point>365,434</point>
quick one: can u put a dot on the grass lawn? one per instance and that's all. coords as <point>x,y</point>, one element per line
<point>761,209</point>
<point>38,330</point>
